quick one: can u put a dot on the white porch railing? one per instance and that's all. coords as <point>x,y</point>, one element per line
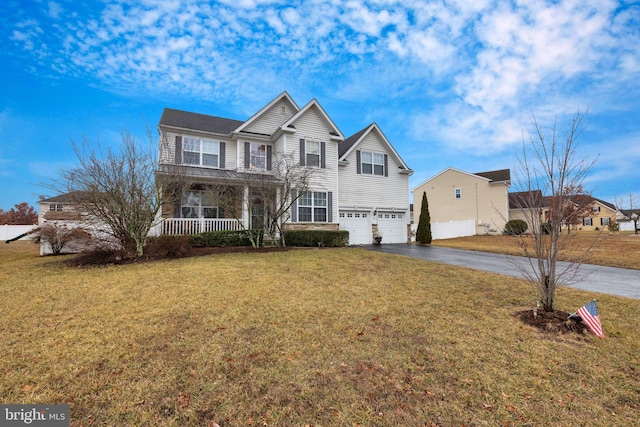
<point>182,226</point>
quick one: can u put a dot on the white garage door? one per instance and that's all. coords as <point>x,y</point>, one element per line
<point>392,226</point>
<point>358,224</point>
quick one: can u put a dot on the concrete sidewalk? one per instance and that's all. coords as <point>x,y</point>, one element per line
<point>607,280</point>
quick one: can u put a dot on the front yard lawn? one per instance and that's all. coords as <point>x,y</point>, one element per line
<point>304,337</point>
<point>612,249</point>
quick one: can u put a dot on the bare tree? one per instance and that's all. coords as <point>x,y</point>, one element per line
<point>269,198</point>
<point>59,236</point>
<point>548,164</point>
<point>118,190</point>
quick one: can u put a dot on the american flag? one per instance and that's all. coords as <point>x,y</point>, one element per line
<point>590,316</point>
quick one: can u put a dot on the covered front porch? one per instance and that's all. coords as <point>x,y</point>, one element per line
<point>206,208</point>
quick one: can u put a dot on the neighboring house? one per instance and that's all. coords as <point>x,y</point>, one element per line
<point>61,212</point>
<point>595,214</point>
<point>600,213</point>
<point>527,205</point>
<point>465,204</point>
<point>360,183</point>
<point>625,218</point>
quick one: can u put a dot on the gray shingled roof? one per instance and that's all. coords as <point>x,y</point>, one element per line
<point>195,121</point>
<point>499,175</point>
<point>344,145</point>
<point>527,199</point>
<point>61,198</point>
<point>217,174</point>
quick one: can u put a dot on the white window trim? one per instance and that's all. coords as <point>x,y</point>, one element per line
<point>308,153</point>
<point>314,207</point>
<point>458,193</point>
<point>201,153</point>
<point>251,156</point>
<point>200,206</point>
<point>373,163</point>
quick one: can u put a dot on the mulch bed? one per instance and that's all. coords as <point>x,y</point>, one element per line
<point>102,258</point>
<point>557,322</point>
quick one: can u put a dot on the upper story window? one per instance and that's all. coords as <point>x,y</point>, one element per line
<point>458,193</point>
<point>200,152</point>
<point>257,156</point>
<point>56,207</point>
<point>312,151</point>
<point>587,222</point>
<point>372,163</point>
<point>596,209</point>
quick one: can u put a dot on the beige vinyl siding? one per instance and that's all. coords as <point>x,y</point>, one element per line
<point>372,191</point>
<point>480,201</point>
<point>168,147</point>
<point>271,120</point>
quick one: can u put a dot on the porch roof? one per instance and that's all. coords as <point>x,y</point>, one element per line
<point>216,175</point>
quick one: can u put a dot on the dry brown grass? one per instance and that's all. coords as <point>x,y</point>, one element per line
<point>320,337</point>
<point>611,249</point>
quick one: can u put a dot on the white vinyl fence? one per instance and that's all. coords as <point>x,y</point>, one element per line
<point>8,232</point>
<point>448,230</point>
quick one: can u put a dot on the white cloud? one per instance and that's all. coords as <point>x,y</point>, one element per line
<point>485,64</point>
<point>55,10</point>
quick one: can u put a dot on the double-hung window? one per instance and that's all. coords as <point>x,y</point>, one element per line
<point>372,163</point>
<point>56,207</point>
<point>458,193</point>
<point>587,222</point>
<point>258,156</point>
<point>312,207</point>
<point>198,204</point>
<point>312,151</point>
<point>200,152</point>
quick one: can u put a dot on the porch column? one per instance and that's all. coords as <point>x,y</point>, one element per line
<point>245,207</point>
<point>278,201</point>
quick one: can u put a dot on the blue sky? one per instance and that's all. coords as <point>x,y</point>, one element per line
<point>451,83</point>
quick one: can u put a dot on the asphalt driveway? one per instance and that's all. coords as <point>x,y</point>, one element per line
<point>608,280</point>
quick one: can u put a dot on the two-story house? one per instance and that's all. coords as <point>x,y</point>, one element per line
<point>465,204</point>
<point>358,183</point>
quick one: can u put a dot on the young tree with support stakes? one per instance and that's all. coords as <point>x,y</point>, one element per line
<point>423,233</point>
<point>548,164</point>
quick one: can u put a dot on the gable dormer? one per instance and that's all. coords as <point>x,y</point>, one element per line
<point>371,151</point>
<point>267,121</point>
<point>313,119</point>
